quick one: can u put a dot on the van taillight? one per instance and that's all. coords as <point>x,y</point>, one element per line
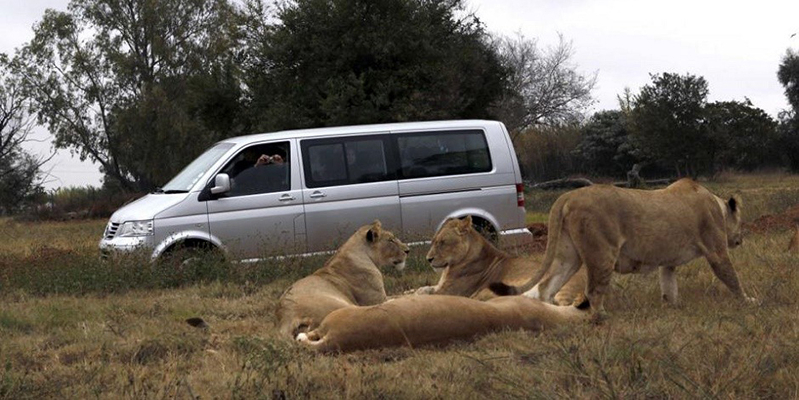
<point>520,194</point>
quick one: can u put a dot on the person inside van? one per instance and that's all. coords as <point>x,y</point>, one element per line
<point>263,173</point>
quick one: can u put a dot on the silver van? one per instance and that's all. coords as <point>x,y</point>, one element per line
<point>305,191</point>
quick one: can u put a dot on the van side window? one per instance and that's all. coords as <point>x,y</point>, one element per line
<point>261,168</point>
<point>333,162</point>
<point>443,153</point>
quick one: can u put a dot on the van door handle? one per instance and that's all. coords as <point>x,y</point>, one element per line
<point>286,197</point>
<point>317,195</point>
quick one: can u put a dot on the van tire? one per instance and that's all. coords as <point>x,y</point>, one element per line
<point>190,251</point>
<point>486,229</point>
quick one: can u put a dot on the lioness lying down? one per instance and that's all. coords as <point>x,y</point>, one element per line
<point>632,231</point>
<point>422,320</point>
<point>350,278</point>
<point>469,263</point>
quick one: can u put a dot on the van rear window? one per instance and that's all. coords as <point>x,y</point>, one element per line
<point>443,153</point>
<point>345,161</point>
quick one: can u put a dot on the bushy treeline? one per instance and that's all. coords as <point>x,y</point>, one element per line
<point>668,128</point>
<point>69,203</point>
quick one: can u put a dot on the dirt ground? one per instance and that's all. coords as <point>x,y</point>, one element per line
<point>775,222</point>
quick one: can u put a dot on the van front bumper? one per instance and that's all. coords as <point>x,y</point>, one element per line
<point>515,238</point>
<point>122,245</point>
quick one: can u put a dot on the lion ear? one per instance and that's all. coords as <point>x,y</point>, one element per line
<point>466,222</point>
<point>734,203</point>
<point>374,232</point>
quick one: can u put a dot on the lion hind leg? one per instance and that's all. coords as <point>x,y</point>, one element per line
<point>600,266</point>
<point>564,266</point>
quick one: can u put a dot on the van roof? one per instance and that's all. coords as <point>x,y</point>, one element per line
<point>359,129</point>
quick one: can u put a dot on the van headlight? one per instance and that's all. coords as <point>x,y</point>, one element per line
<point>136,228</point>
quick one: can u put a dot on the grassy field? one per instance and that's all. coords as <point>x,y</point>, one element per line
<point>74,326</point>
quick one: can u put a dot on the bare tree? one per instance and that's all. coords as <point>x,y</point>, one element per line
<point>543,86</point>
<point>20,172</point>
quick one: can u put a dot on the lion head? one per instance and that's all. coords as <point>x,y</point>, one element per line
<point>385,248</point>
<point>451,243</point>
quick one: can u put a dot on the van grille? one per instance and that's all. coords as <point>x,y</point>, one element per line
<point>111,230</point>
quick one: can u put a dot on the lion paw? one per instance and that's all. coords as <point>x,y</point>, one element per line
<point>421,290</point>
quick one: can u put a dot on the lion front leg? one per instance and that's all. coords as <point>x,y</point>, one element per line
<point>722,268</point>
<point>668,284</point>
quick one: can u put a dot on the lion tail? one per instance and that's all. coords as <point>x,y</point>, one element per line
<point>311,340</point>
<point>555,227</point>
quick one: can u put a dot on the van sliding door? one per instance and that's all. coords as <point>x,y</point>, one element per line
<point>445,173</point>
<point>349,182</point>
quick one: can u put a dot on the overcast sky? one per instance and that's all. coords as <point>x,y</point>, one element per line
<point>735,45</point>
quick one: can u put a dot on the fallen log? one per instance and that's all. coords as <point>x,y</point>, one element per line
<point>651,182</point>
<point>565,183</point>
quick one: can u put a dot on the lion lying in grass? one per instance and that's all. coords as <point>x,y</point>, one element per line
<point>350,278</point>
<point>469,264</point>
<point>432,320</point>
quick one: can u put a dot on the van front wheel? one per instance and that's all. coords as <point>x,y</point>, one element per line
<point>187,254</point>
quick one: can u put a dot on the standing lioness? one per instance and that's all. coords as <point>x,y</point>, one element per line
<point>469,263</point>
<point>350,278</point>
<point>632,231</point>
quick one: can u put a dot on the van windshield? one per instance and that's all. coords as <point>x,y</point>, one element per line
<point>185,180</point>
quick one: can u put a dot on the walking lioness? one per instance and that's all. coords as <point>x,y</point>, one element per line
<point>350,278</point>
<point>469,263</point>
<point>632,231</point>
<point>421,320</point>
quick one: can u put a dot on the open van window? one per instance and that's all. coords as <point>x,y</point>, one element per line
<point>188,177</point>
<point>261,168</point>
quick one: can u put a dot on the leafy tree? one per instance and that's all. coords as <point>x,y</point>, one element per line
<point>20,172</point>
<point>334,62</point>
<point>606,147</point>
<point>543,86</point>
<point>667,122</point>
<point>744,137</point>
<point>138,86</point>
<point>788,75</point>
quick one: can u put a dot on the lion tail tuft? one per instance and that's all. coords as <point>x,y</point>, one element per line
<point>501,289</point>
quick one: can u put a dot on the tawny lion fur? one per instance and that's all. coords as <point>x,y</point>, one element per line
<point>469,263</point>
<point>432,320</point>
<point>632,231</point>
<point>350,278</point>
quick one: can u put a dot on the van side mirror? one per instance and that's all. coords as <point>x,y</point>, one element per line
<point>221,184</point>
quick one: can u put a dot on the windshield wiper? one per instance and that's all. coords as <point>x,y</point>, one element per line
<point>171,191</point>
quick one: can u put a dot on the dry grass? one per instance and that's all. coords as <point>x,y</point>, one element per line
<point>131,340</point>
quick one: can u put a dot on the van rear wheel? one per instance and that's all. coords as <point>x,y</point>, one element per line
<point>486,229</point>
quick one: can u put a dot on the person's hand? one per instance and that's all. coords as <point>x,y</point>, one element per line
<point>263,159</point>
<point>277,159</point>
